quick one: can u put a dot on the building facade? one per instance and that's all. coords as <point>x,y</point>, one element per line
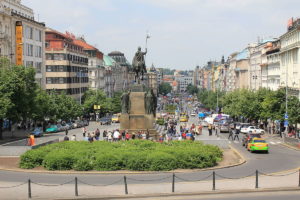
<point>273,61</point>
<point>22,39</point>
<point>290,58</point>
<point>66,65</point>
<point>95,66</point>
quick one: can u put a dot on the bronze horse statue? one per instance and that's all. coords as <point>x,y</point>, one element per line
<point>139,66</point>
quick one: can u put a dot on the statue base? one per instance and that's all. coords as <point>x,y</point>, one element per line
<point>137,119</point>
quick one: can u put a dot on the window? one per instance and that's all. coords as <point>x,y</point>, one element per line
<point>38,67</point>
<point>38,35</point>
<point>61,80</point>
<point>49,56</point>
<point>29,32</point>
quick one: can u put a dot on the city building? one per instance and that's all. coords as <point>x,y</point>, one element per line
<point>289,58</point>
<point>127,76</point>
<point>273,62</point>
<point>66,65</point>
<point>184,81</point>
<point>22,39</point>
<point>95,66</point>
<point>242,70</point>
<point>152,79</point>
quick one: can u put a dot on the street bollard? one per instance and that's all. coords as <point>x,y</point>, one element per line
<point>29,188</point>
<point>214,180</point>
<point>125,183</point>
<point>299,179</point>
<point>256,179</point>
<point>76,187</point>
<point>173,183</point>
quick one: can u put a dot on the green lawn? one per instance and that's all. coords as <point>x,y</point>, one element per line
<point>138,155</point>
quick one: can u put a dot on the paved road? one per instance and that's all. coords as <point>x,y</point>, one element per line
<point>240,196</point>
<point>279,159</point>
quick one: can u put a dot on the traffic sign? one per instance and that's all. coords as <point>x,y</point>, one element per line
<point>286,116</point>
<point>286,123</point>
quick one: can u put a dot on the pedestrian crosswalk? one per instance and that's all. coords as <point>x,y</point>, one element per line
<point>270,142</point>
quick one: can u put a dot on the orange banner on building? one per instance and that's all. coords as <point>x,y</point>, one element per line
<point>19,43</point>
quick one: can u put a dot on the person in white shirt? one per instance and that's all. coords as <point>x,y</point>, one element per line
<point>109,136</point>
<point>116,135</point>
<point>73,138</point>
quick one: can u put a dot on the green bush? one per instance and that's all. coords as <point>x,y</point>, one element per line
<point>32,158</point>
<point>59,160</point>
<point>140,155</point>
<point>83,165</point>
<point>108,162</point>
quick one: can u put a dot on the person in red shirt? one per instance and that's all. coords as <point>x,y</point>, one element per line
<point>127,136</point>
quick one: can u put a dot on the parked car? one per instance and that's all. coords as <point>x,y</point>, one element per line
<point>68,126</point>
<point>258,144</point>
<point>224,127</point>
<point>252,129</point>
<point>105,121</point>
<point>38,132</point>
<point>242,125</point>
<point>85,122</point>
<point>78,124</point>
<point>52,129</point>
<point>248,137</point>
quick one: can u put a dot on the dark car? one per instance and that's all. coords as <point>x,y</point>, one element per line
<point>247,138</point>
<point>38,132</point>
<point>105,121</point>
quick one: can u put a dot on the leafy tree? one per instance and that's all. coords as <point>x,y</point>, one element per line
<point>293,110</point>
<point>210,99</point>
<point>116,105</point>
<point>191,89</point>
<point>164,88</point>
<point>96,97</point>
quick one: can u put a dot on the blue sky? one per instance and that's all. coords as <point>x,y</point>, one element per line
<point>184,33</point>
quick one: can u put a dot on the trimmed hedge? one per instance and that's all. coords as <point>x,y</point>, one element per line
<point>138,155</point>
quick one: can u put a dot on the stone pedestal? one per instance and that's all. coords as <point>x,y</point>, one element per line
<point>137,119</point>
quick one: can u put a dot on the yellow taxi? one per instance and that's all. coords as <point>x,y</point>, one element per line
<point>257,144</point>
<point>184,118</point>
<point>116,118</point>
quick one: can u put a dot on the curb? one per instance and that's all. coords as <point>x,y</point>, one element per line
<point>134,196</point>
<point>242,161</point>
<point>290,147</point>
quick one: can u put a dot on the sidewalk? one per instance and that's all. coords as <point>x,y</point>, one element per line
<point>16,147</point>
<point>117,189</point>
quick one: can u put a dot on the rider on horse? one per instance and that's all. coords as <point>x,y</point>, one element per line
<point>138,63</point>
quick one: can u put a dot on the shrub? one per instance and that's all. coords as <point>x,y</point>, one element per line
<point>141,155</point>
<point>83,165</point>
<point>32,158</point>
<point>108,162</point>
<point>162,161</point>
<point>59,160</point>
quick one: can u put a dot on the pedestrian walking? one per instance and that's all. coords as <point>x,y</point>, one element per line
<point>210,130</point>
<point>66,131</point>
<point>236,135</point>
<point>216,130</point>
<point>83,131</point>
<point>230,134</point>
